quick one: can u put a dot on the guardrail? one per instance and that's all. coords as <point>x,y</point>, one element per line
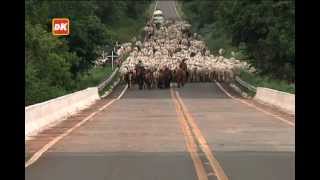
<point>245,84</point>
<point>106,82</point>
<point>272,97</point>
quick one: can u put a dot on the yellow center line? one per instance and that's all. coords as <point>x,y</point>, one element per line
<point>216,167</point>
<point>190,143</point>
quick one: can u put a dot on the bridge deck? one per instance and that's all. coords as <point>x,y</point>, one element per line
<point>139,137</point>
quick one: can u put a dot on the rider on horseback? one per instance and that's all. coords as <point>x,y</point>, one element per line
<point>168,77</point>
<point>140,73</point>
<point>184,67</point>
<point>140,64</point>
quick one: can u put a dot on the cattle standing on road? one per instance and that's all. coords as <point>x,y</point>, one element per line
<point>140,74</point>
<point>171,44</point>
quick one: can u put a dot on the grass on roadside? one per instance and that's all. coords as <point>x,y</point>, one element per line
<point>110,85</point>
<point>266,81</point>
<point>94,77</point>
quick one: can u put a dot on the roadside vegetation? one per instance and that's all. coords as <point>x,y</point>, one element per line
<point>56,66</point>
<point>94,77</point>
<point>110,85</point>
<point>268,82</point>
<point>260,32</point>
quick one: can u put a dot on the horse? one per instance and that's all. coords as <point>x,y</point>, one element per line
<point>180,77</point>
<point>185,74</point>
<point>161,79</point>
<point>129,77</point>
<point>139,77</point>
<point>167,77</point>
<point>148,78</point>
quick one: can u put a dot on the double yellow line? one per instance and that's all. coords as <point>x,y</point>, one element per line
<point>192,135</point>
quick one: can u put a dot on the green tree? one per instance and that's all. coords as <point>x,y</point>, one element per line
<point>265,27</point>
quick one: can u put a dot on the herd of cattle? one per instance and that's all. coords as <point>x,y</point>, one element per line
<point>162,53</point>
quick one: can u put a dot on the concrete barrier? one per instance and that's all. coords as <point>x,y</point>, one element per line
<point>279,99</point>
<point>41,115</point>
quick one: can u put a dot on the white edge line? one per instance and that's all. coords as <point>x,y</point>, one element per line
<point>39,153</point>
<point>123,91</point>
<point>254,106</point>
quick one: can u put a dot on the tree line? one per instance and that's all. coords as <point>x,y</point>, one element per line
<point>262,31</point>
<point>54,65</point>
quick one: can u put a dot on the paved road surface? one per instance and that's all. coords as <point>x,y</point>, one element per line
<point>144,136</point>
<point>248,144</point>
<point>139,137</point>
<point>136,138</point>
<point>168,9</point>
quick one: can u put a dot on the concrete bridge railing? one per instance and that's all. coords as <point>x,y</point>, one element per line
<point>39,116</point>
<point>282,100</point>
<point>279,99</point>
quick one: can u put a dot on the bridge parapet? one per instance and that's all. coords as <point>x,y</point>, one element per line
<point>42,115</point>
<point>282,100</point>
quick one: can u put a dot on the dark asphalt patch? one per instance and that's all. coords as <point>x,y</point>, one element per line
<point>135,93</point>
<point>113,166</point>
<point>257,165</point>
<point>208,90</point>
<point>116,91</point>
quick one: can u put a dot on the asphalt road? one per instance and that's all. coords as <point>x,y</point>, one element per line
<point>137,138</point>
<point>140,137</point>
<point>168,9</point>
<point>249,144</point>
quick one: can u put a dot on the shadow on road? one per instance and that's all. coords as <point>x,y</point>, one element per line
<point>189,91</point>
<point>113,166</point>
